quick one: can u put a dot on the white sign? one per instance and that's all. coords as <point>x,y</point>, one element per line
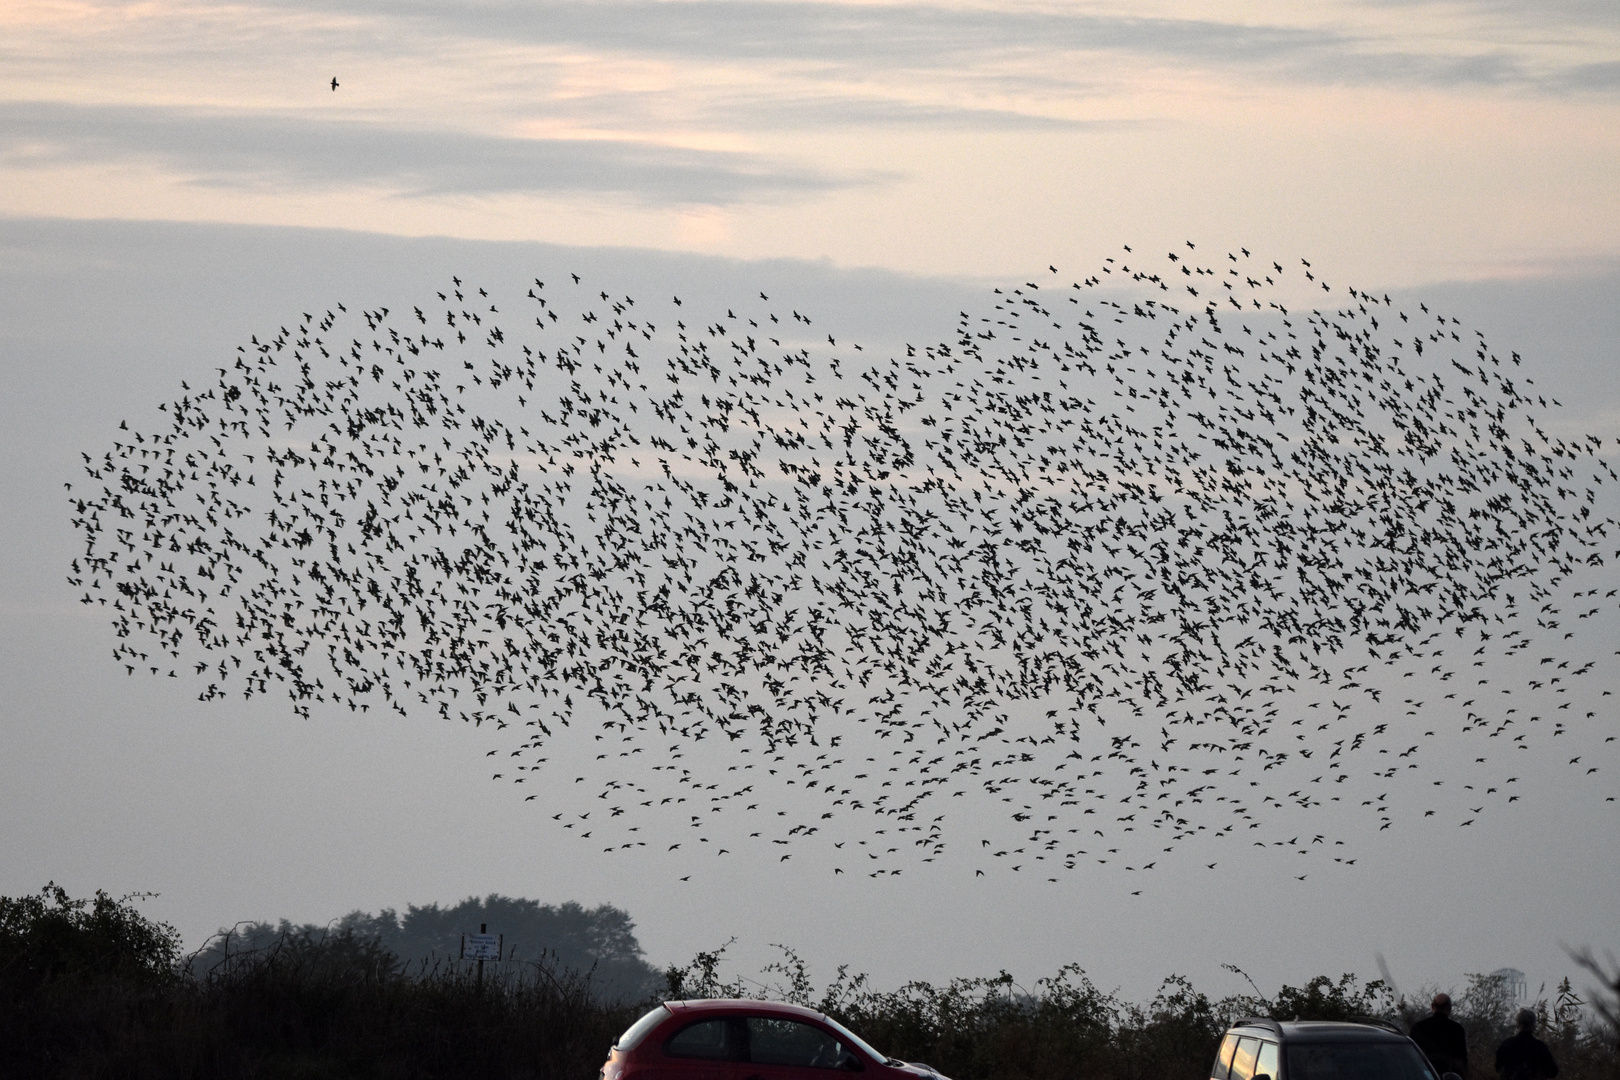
<point>480,946</point>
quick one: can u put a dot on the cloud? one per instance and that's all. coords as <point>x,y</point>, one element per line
<point>259,150</point>
<point>1604,76</point>
<point>812,108</point>
<point>842,33</point>
<point>1540,14</point>
<point>916,37</point>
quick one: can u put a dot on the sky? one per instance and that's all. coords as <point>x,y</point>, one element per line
<point>177,177</point>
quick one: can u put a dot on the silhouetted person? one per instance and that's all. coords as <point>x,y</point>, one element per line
<point>1442,1039</point>
<point>1523,1056</point>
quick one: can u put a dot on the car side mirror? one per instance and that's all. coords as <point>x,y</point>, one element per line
<point>1450,1076</point>
<point>848,1062</point>
<point>1261,1076</point>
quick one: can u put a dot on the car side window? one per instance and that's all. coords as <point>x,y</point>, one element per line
<point>1266,1063</point>
<point>788,1042</point>
<point>714,1040</point>
<point>1223,1058</point>
<point>1243,1059</point>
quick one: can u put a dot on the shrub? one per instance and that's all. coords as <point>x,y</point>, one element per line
<point>50,937</point>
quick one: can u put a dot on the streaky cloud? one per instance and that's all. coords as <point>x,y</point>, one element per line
<point>924,36</point>
<point>280,151</point>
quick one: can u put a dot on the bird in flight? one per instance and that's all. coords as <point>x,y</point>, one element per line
<point>334,82</point>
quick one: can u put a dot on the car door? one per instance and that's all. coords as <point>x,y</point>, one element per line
<point>711,1048</point>
<point>784,1049</point>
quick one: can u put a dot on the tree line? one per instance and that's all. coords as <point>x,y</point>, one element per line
<point>600,940</point>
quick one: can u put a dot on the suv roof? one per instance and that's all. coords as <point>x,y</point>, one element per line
<point>1369,1029</point>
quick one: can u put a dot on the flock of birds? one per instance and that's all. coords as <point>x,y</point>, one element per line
<point>1132,561</point>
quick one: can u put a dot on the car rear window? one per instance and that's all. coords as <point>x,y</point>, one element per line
<point>714,1040</point>
<point>1357,1061</point>
<point>639,1029</point>
<point>1223,1059</point>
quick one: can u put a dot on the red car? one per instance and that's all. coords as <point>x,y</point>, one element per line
<point>747,1040</point>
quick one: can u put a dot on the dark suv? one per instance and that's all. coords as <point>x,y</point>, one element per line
<point>1260,1049</point>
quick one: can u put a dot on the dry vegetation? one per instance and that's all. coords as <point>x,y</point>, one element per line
<point>91,988</point>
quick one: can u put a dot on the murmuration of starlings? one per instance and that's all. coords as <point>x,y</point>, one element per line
<point>1147,562</point>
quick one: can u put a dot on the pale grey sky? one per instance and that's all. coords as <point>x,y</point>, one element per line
<point>174,174</point>
<point>238,810</point>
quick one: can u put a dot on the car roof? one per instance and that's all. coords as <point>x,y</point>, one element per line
<point>758,1008</point>
<point>1320,1031</point>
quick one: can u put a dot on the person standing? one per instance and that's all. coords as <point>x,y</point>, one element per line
<point>1442,1039</point>
<point>1523,1056</point>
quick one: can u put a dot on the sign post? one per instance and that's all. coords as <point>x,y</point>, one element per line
<point>482,946</point>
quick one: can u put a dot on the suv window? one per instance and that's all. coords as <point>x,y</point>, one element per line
<point>1357,1061</point>
<point>714,1040</point>
<point>1266,1063</point>
<point>1243,1060</point>
<point>1223,1058</point>
<point>788,1042</point>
